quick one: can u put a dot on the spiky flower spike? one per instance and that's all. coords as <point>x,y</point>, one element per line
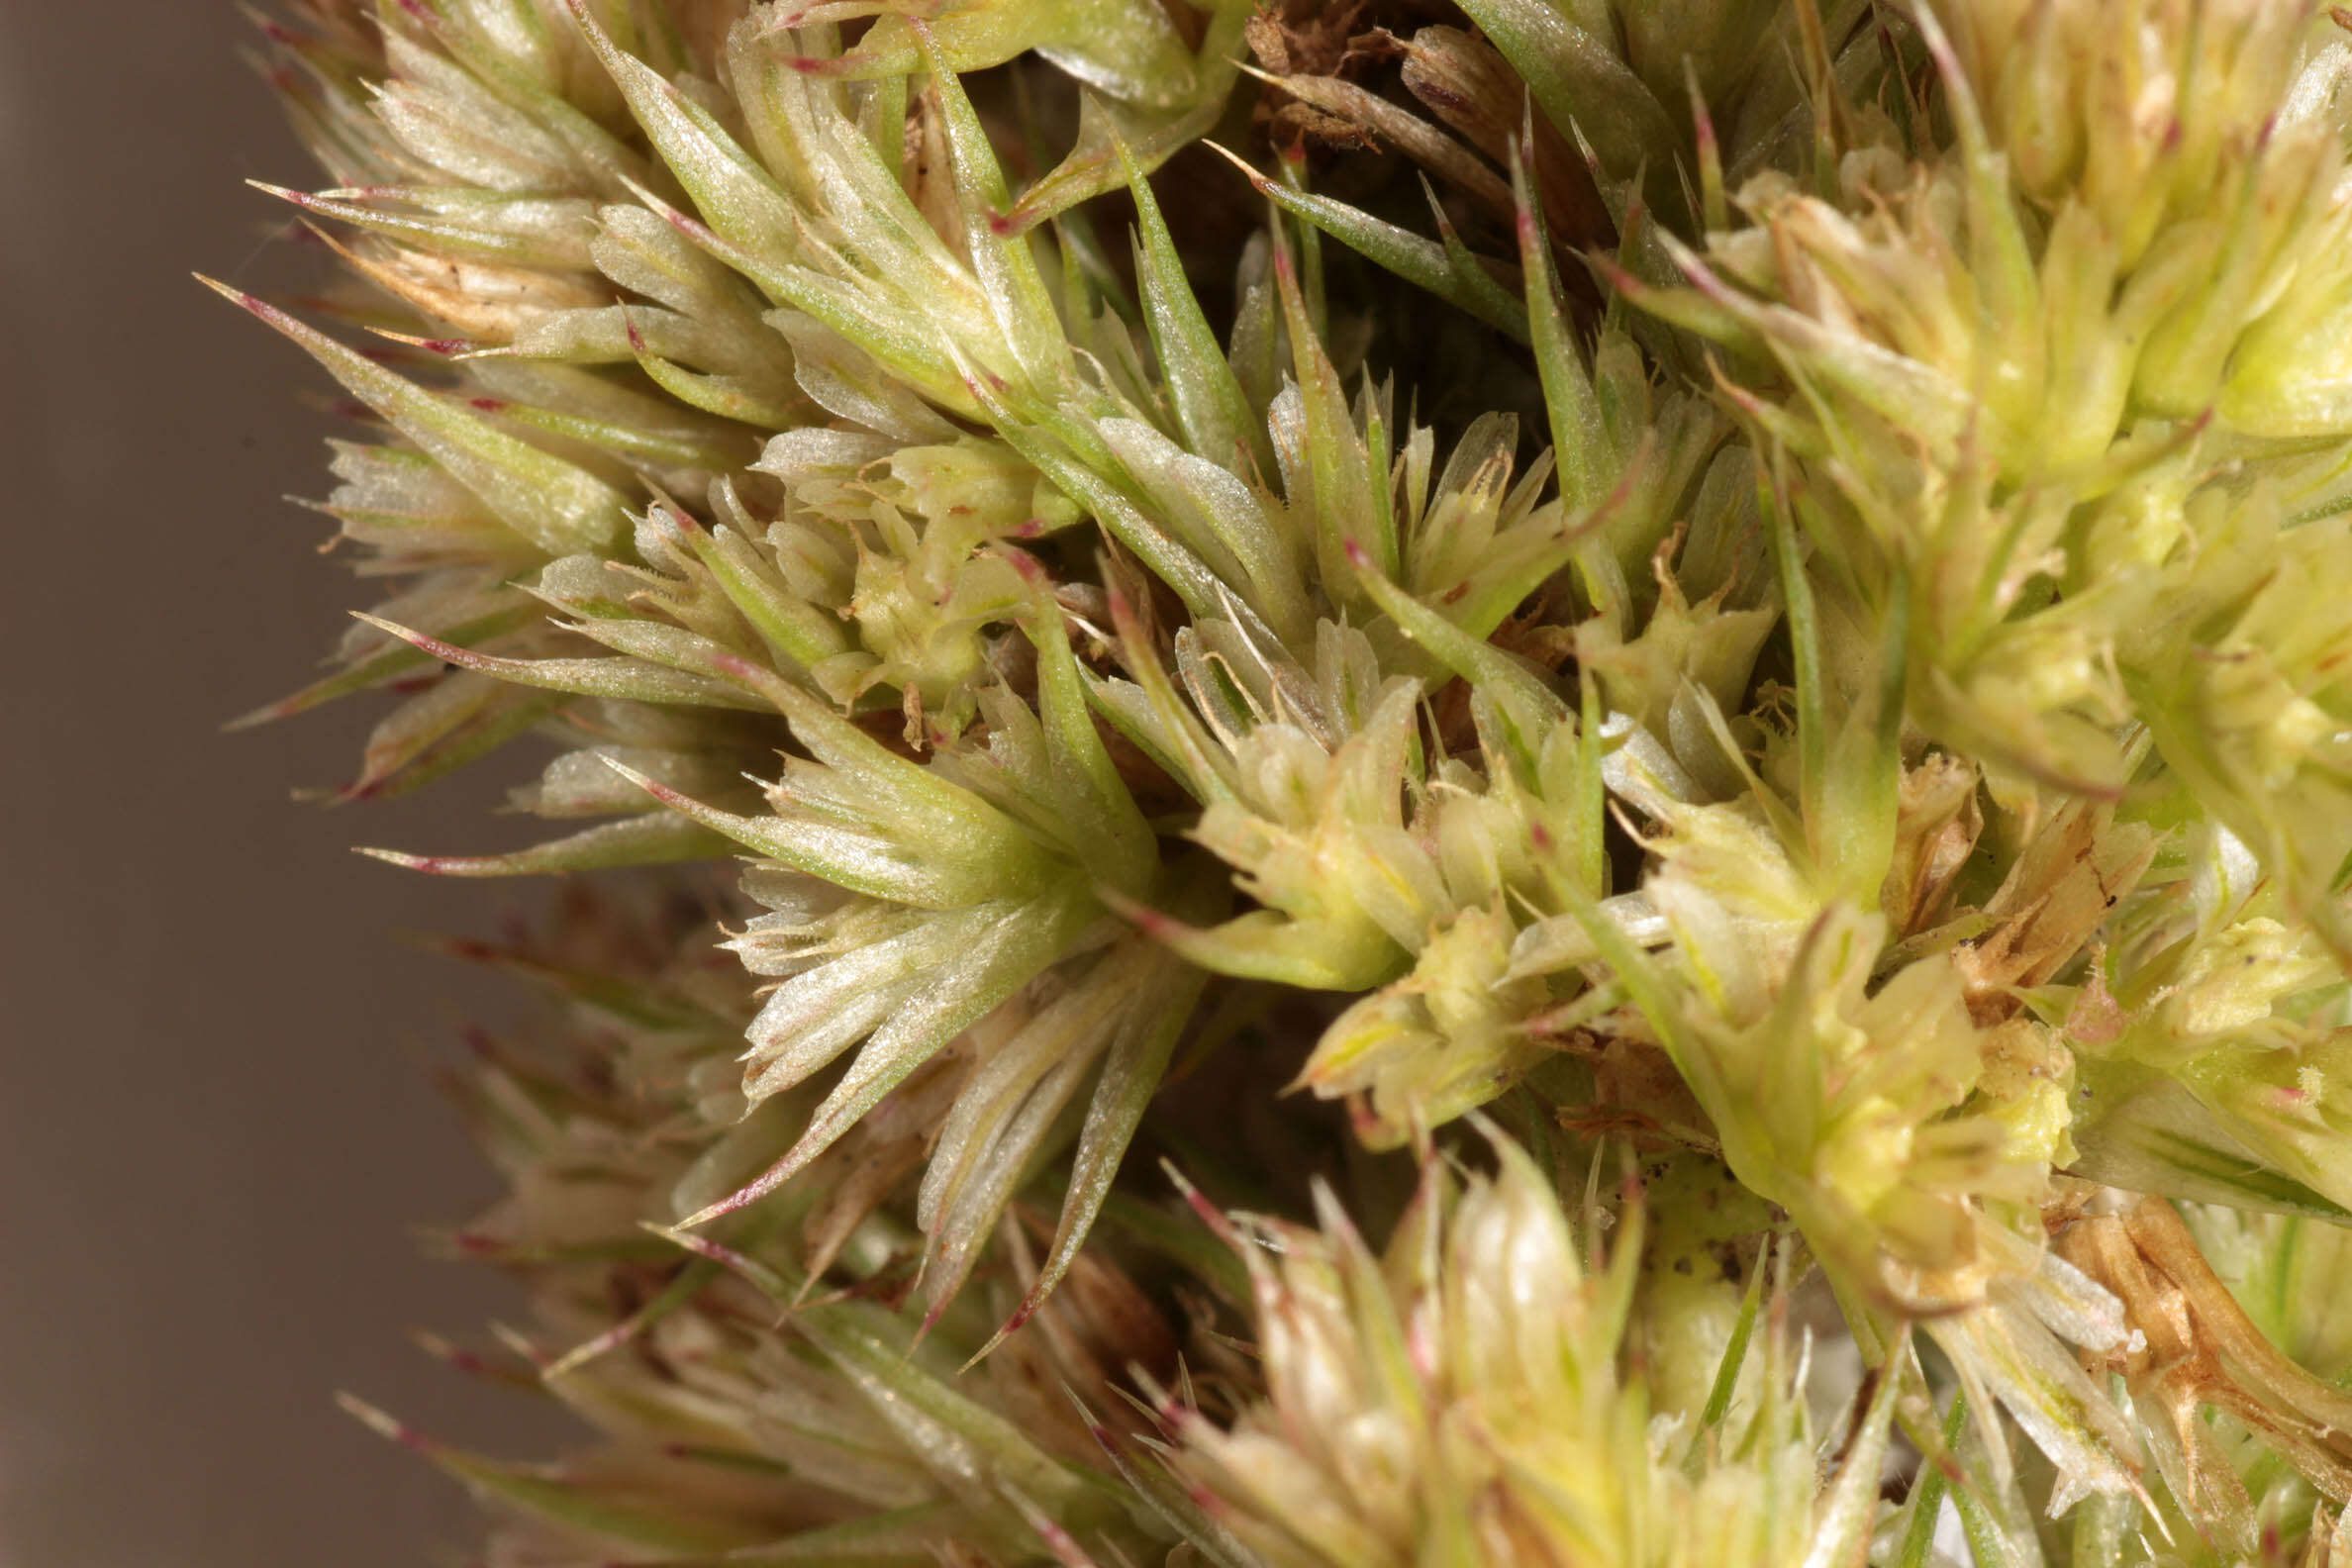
<point>1766,604</point>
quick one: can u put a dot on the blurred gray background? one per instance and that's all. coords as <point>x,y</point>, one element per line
<point>215,1127</point>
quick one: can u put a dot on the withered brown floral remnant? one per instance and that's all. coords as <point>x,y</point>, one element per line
<point>1626,845</point>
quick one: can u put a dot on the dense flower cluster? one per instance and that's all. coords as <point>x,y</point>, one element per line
<point>1737,667</point>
